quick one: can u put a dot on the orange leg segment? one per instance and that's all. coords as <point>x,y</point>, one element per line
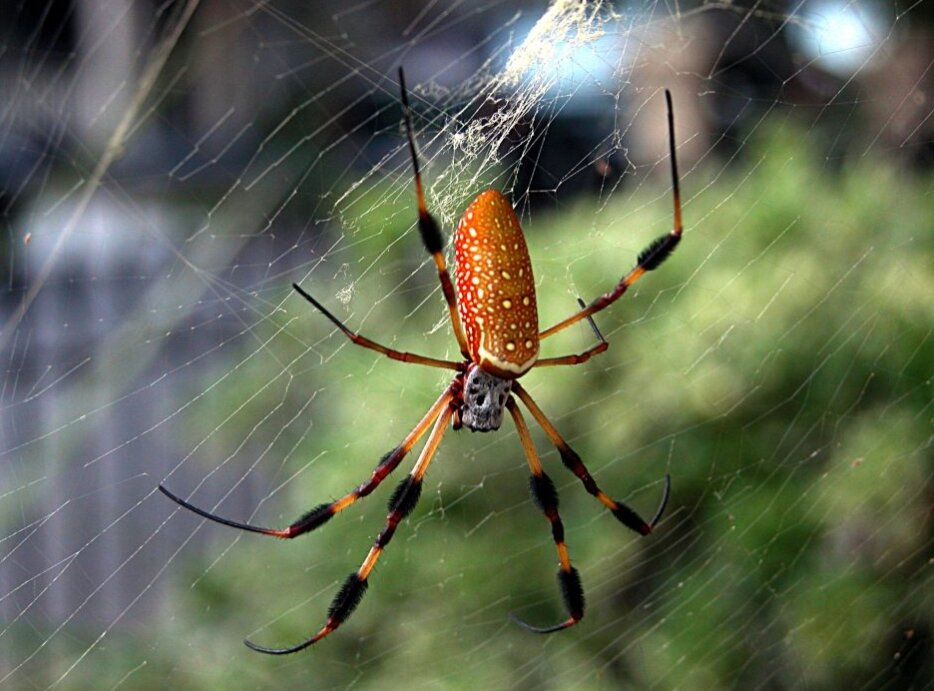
<point>650,258</point>
<point>546,497</point>
<point>403,501</point>
<point>322,513</point>
<point>428,227</point>
<point>359,340</point>
<point>573,462</point>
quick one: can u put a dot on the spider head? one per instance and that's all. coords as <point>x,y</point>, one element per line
<point>485,396</point>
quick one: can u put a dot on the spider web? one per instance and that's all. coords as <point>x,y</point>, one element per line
<point>168,170</point>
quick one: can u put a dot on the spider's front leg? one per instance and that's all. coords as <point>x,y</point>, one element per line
<point>322,513</point>
<point>403,500</point>
<point>546,497</point>
<point>573,462</point>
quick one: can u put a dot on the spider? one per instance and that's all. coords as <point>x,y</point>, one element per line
<point>495,321</point>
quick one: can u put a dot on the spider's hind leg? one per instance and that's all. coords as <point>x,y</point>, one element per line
<point>428,226</point>
<point>650,258</point>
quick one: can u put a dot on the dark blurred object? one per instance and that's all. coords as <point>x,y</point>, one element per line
<point>899,99</point>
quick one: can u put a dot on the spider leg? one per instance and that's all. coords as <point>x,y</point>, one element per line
<point>546,497</point>
<point>359,340</point>
<point>428,226</point>
<point>573,462</point>
<point>650,258</point>
<point>401,504</point>
<point>573,359</point>
<point>322,513</point>
<point>580,357</point>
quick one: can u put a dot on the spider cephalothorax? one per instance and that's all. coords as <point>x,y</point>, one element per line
<point>495,321</point>
<point>483,400</point>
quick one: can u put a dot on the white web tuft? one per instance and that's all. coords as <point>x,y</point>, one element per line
<point>565,27</point>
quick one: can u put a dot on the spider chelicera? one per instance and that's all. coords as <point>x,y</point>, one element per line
<point>495,321</point>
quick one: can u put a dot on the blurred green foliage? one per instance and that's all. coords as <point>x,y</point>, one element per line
<point>778,366</point>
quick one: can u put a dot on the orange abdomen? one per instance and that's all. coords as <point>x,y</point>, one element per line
<point>495,287</point>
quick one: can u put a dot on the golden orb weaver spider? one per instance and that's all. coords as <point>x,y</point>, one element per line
<point>495,322</point>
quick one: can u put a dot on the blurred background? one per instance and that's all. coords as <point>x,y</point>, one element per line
<point>168,169</point>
